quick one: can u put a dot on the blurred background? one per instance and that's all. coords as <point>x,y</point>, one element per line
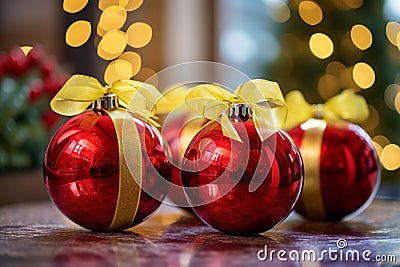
<point>319,47</point>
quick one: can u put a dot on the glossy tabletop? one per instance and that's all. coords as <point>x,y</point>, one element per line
<point>37,234</point>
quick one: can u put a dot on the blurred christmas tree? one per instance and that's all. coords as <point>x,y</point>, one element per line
<point>328,46</point>
<point>28,80</point>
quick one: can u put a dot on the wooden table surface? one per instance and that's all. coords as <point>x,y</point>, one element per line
<point>37,234</point>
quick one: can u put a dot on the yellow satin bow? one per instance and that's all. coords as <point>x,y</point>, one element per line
<point>80,91</point>
<point>346,105</point>
<point>264,98</point>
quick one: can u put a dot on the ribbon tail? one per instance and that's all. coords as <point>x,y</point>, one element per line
<point>229,130</point>
<point>129,187</point>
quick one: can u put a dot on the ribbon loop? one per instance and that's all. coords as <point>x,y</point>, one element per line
<point>80,91</point>
<point>264,97</point>
<point>347,106</point>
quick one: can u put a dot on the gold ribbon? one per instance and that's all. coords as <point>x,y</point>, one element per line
<point>264,98</point>
<point>311,153</point>
<point>346,105</point>
<point>78,93</point>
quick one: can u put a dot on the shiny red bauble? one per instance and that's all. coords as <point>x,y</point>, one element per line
<point>81,170</point>
<point>218,172</point>
<point>342,169</point>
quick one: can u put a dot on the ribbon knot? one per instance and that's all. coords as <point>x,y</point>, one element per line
<point>347,106</point>
<point>80,91</point>
<point>264,98</point>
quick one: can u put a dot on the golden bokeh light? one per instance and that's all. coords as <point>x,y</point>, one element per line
<point>346,79</point>
<point>381,140</point>
<point>74,6</point>
<point>397,103</point>
<point>361,36</point>
<point>123,68</point>
<point>139,34</point>
<point>103,4</point>
<point>353,3</point>
<point>328,86</point>
<point>134,60</point>
<point>321,45</point>
<point>112,18</point>
<point>117,70</point>
<point>147,73</point>
<point>392,31</point>
<point>372,121</point>
<point>26,49</point>
<point>390,157</point>
<point>310,12</point>
<point>363,75</point>
<point>391,92</point>
<point>100,31</point>
<point>114,42</point>
<point>335,68</point>
<point>279,12</point>
<point>105,55</point>
<point>78,33</point>
<point>378,148</point>
<point>133,5</point>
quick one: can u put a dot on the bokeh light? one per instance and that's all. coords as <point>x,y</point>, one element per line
<point>321,45</point>
<point>328,86</point>
<point>78,33</point>
<point>26,49</point>
<point>310,12</point>
<point>390,157</point>
<point>74,6</point>
<point>372,121</point>
<point>147,73</point>
<point>133,5</point>
<point>277,10</point>
<point>114,42</point>
<point>134,60</point>
<point>363,75</point>
<point>112,18</point>
<point>390,94</point>
<point>378,148</point>
<point>381,140</point>
<point>335,68</point>
<point>397,103</point>
<point>353,3</point>
<point>139,34</point>
<point>392,31</point>
<point>361,36</point>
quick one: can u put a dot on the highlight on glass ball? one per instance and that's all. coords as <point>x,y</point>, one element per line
<point>87,174</point>
<point>241,176</point>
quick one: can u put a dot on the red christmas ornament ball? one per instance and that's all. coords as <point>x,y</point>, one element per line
<point>342,169</point>
<point>81,170</point>
<point>223,173</point>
